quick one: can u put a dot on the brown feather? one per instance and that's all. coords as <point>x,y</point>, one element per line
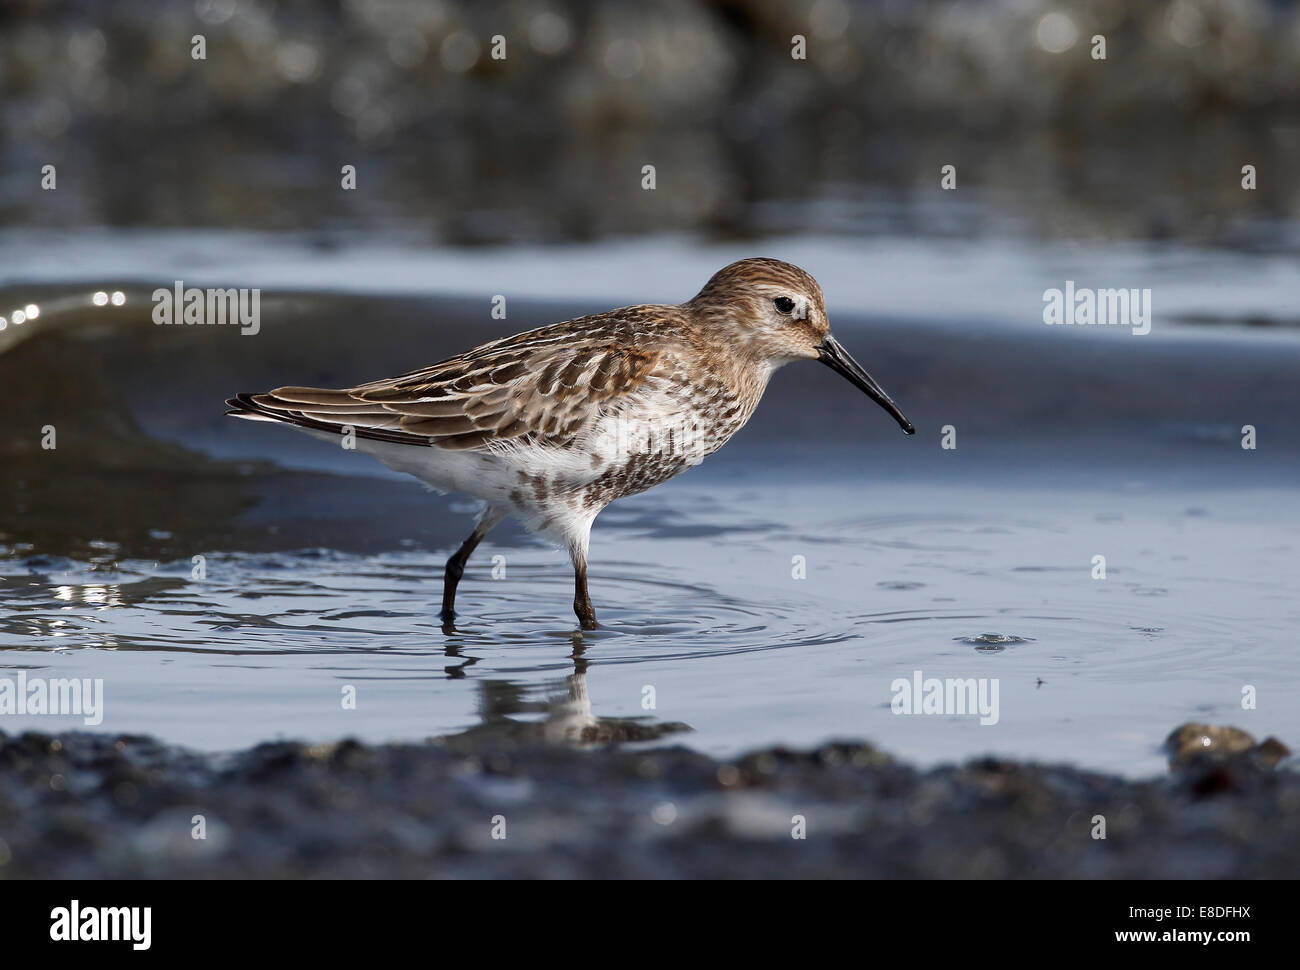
<point>550,383</point>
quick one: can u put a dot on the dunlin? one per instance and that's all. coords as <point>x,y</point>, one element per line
<point>554,424</point>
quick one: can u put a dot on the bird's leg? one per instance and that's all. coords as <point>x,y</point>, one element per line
<point>456,564</point>
<point>454,571</point>
<point>581,598</point>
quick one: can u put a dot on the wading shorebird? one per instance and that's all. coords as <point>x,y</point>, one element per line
<point>552,425</point>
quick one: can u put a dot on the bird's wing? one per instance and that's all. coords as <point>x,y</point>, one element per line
<point>546,386</point>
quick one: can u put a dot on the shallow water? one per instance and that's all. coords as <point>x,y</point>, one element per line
<point>698,602</point>
<point>323,572</point>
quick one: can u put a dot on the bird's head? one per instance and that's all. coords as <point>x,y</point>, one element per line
<point>776,312</point>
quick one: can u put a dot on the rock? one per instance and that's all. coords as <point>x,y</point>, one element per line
<point>1191,741</point>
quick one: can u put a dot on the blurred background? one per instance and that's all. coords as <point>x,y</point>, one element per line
<point>547,144</point>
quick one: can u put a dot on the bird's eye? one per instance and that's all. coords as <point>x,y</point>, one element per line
<point>784,304</point>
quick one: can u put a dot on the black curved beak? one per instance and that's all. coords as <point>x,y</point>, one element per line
<point>837,359</point>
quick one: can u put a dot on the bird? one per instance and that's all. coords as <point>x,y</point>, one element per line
<point>552,425</point>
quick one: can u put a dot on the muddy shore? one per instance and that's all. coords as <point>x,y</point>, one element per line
<point>81,805</point>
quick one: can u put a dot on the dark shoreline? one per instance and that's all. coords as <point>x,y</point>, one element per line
<point>79,805</point>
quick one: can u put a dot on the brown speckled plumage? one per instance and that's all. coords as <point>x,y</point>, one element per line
<point>554,424</point>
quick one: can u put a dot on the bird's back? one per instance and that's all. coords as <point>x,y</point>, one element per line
<point>559,420</point>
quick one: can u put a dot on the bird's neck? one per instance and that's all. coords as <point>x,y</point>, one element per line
<point>744,373</point>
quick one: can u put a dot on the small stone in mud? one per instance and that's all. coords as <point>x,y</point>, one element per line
<point>1192,742</point>
<point>1271,751</point>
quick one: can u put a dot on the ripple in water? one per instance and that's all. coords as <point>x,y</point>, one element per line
<point>308,603</point>
<point>993,642</point>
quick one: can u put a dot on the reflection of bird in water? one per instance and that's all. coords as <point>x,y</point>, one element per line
<point>567,717</point>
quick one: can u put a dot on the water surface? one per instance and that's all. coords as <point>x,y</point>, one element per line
<point>771,596</point>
